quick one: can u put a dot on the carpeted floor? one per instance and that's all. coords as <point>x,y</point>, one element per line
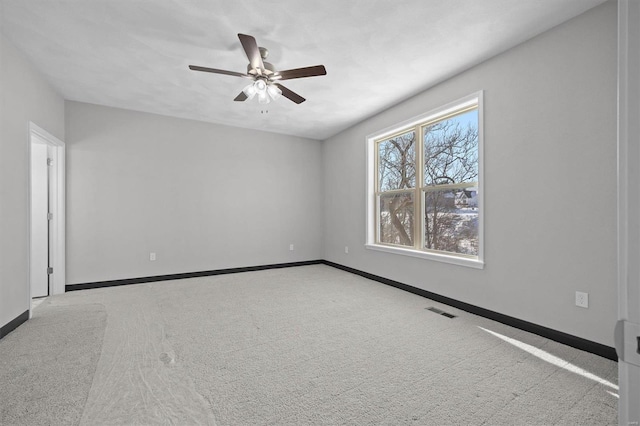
<point>295,346</point>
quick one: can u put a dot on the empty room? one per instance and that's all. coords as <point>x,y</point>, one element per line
<point>421,212</point>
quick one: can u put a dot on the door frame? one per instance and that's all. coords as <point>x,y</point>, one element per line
<point>628,199</point>
<point>57,204</point>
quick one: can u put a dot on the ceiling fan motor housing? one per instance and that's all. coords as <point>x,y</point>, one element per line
<point>268,70</point>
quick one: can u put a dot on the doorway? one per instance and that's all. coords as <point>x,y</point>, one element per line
<point>47,214</point>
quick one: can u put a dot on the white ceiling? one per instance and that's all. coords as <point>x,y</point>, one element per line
<point>134,53</point>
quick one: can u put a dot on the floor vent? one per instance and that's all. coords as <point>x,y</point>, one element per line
<point>441,312</point>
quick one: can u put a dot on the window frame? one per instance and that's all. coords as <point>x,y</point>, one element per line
<point>472,101</point>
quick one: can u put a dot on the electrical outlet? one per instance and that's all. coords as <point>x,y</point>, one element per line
<point>152,256</point>
<point>346,249</point>
<point>582,299</point>
<point>290,247</point>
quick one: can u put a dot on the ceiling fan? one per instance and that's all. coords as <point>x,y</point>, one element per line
<point>265,77</point>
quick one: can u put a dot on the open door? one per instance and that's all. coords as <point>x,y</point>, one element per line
<point>47,214</point>
<point>40,217</point>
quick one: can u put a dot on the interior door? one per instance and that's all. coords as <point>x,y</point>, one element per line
<point>39,221</point>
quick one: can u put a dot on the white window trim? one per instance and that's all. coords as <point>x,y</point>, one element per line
<point>370,183</point>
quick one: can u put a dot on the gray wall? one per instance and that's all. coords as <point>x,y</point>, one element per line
<point>25,96</point>
<point>550,182</point>
<point>202,196</point>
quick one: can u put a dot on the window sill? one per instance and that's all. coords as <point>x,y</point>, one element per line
<point>455,260</point>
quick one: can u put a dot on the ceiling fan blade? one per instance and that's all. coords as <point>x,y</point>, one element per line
<point>290,94</point>
<point>216,71</point>
<point>253,53</point>
<point>301,72</point>
<point>241,97</point>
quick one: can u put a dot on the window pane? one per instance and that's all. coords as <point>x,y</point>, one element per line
<point>451,220</point>
<point>451,150</point>
<point>396,219</point>
<point>397,162</point>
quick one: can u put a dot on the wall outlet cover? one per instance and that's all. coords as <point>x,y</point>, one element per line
<point>582,299</point>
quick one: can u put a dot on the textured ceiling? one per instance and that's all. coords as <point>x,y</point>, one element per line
<point>134,53</point>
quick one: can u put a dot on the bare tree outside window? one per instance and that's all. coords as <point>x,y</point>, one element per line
<point>449,226</point>
<point>451,150</point>
<point>451,188</point>
<point>397,173</point>
<point>396,218</point>
<point>425,181</point>
<point>397,162</point>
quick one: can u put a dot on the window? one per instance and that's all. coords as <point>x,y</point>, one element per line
<point>425,185</point>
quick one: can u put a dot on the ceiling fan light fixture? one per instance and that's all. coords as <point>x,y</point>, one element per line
<point>263,97</point>
<point>260,86</point>
<point>274,92</point>
<point>250,91</point>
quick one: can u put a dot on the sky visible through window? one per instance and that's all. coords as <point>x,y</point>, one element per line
<point>468,118</point>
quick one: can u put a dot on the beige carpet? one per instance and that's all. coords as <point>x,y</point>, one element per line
<point>295,346</point>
